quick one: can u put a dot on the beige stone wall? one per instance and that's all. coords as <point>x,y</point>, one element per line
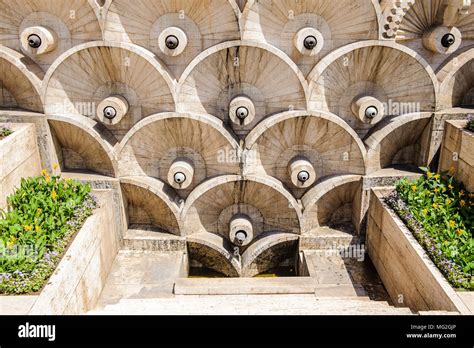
<point>410,277</point>
<point>179,105</point>
<point>77,282</point>
<point>457,153</point>
<point>19,158</point>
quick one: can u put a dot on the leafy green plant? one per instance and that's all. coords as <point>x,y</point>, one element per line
<point>470,124</point>
<point>41,218</point>
<point>440,213</point>
<point>4,132</point>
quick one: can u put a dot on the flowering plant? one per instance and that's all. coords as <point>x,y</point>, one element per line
<point>470,123</point>
<point>41,218</point>
<point>440,213</point>
<point>4,132</point>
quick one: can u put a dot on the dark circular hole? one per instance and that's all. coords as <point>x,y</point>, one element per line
<point>110,112</point>
<point>303,176</point>
<point>448,40</point>
<point>242,113</point>
<point>371,112</point>
<point>34,41</point>
<point>172,42</point>
<point>310,42</point>
<point>179,177</point>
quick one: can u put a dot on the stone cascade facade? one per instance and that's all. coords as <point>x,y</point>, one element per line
<point>241,127</point>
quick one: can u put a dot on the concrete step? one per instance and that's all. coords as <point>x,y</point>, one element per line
<point>438,313</point>
<point>142,275</point>
<point>325,238</point>
<point>148,238</point>
<point>244,286</point>
<point>265,286</point>
<point>250,305</point>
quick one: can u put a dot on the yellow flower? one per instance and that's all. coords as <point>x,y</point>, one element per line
<point>437,176</point>
<point>39,211</point>
<point>425,211</point>
<point>436,206</point>
<point>28,228</point>
<point>44,172</point>
<point>414,188</point>
<point>54,195</point>
<point>459,232</point>
<point>436,190</point>
<point>11,242</point>
<point>452,223</point>
<point>450,186</point>
<point>462,203</point>
<point>55,166</point>
<point>461,193</point>
<point>37,229</point>
<point>69,181</point>
<point>448,201</point>
<point>429,174</point>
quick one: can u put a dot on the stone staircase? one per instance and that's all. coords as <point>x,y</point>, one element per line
<point>250,305</point>
<point>147,279</point>
<point>147,238</point>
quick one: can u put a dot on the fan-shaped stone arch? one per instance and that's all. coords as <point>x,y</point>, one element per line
<point>457,81</point>
<point>339,23</point>
<point>69,23</point>
<point>397,79</point>
<point>274,216</point>
<point>233,69</point>
<point>203,23</point>
<point>213,252</point>
<point>423,17</point>
<point>210,206</point>
<point>80,147</point>
<point>333,203</point>
<point>398,141</point>
<point>323,139</point>
<point>20,81</point>
<point>83,78</point>
<point>155,144</point>
<point>150,202</point>
<point>268,252</point>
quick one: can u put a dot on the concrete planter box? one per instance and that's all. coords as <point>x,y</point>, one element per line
<point>457,152</point>
<point>410,277</point>
<point>78,280</point>
<point>19,158</point>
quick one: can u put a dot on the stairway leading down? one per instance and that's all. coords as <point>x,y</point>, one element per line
<point>147,279</point>
<point>303,304</point>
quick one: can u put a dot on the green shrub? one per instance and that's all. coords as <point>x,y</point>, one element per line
<point>440,213</point>
<point>470,124</point>
<point>4,132</point>
<point>42,216</point>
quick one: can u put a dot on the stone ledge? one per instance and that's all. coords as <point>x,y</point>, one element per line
<point>19,158</point>
<point>144,238</point>
<point>245,286</point>
<point>78,280</point>
<point>404,266</point>
<point>457,153</point>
